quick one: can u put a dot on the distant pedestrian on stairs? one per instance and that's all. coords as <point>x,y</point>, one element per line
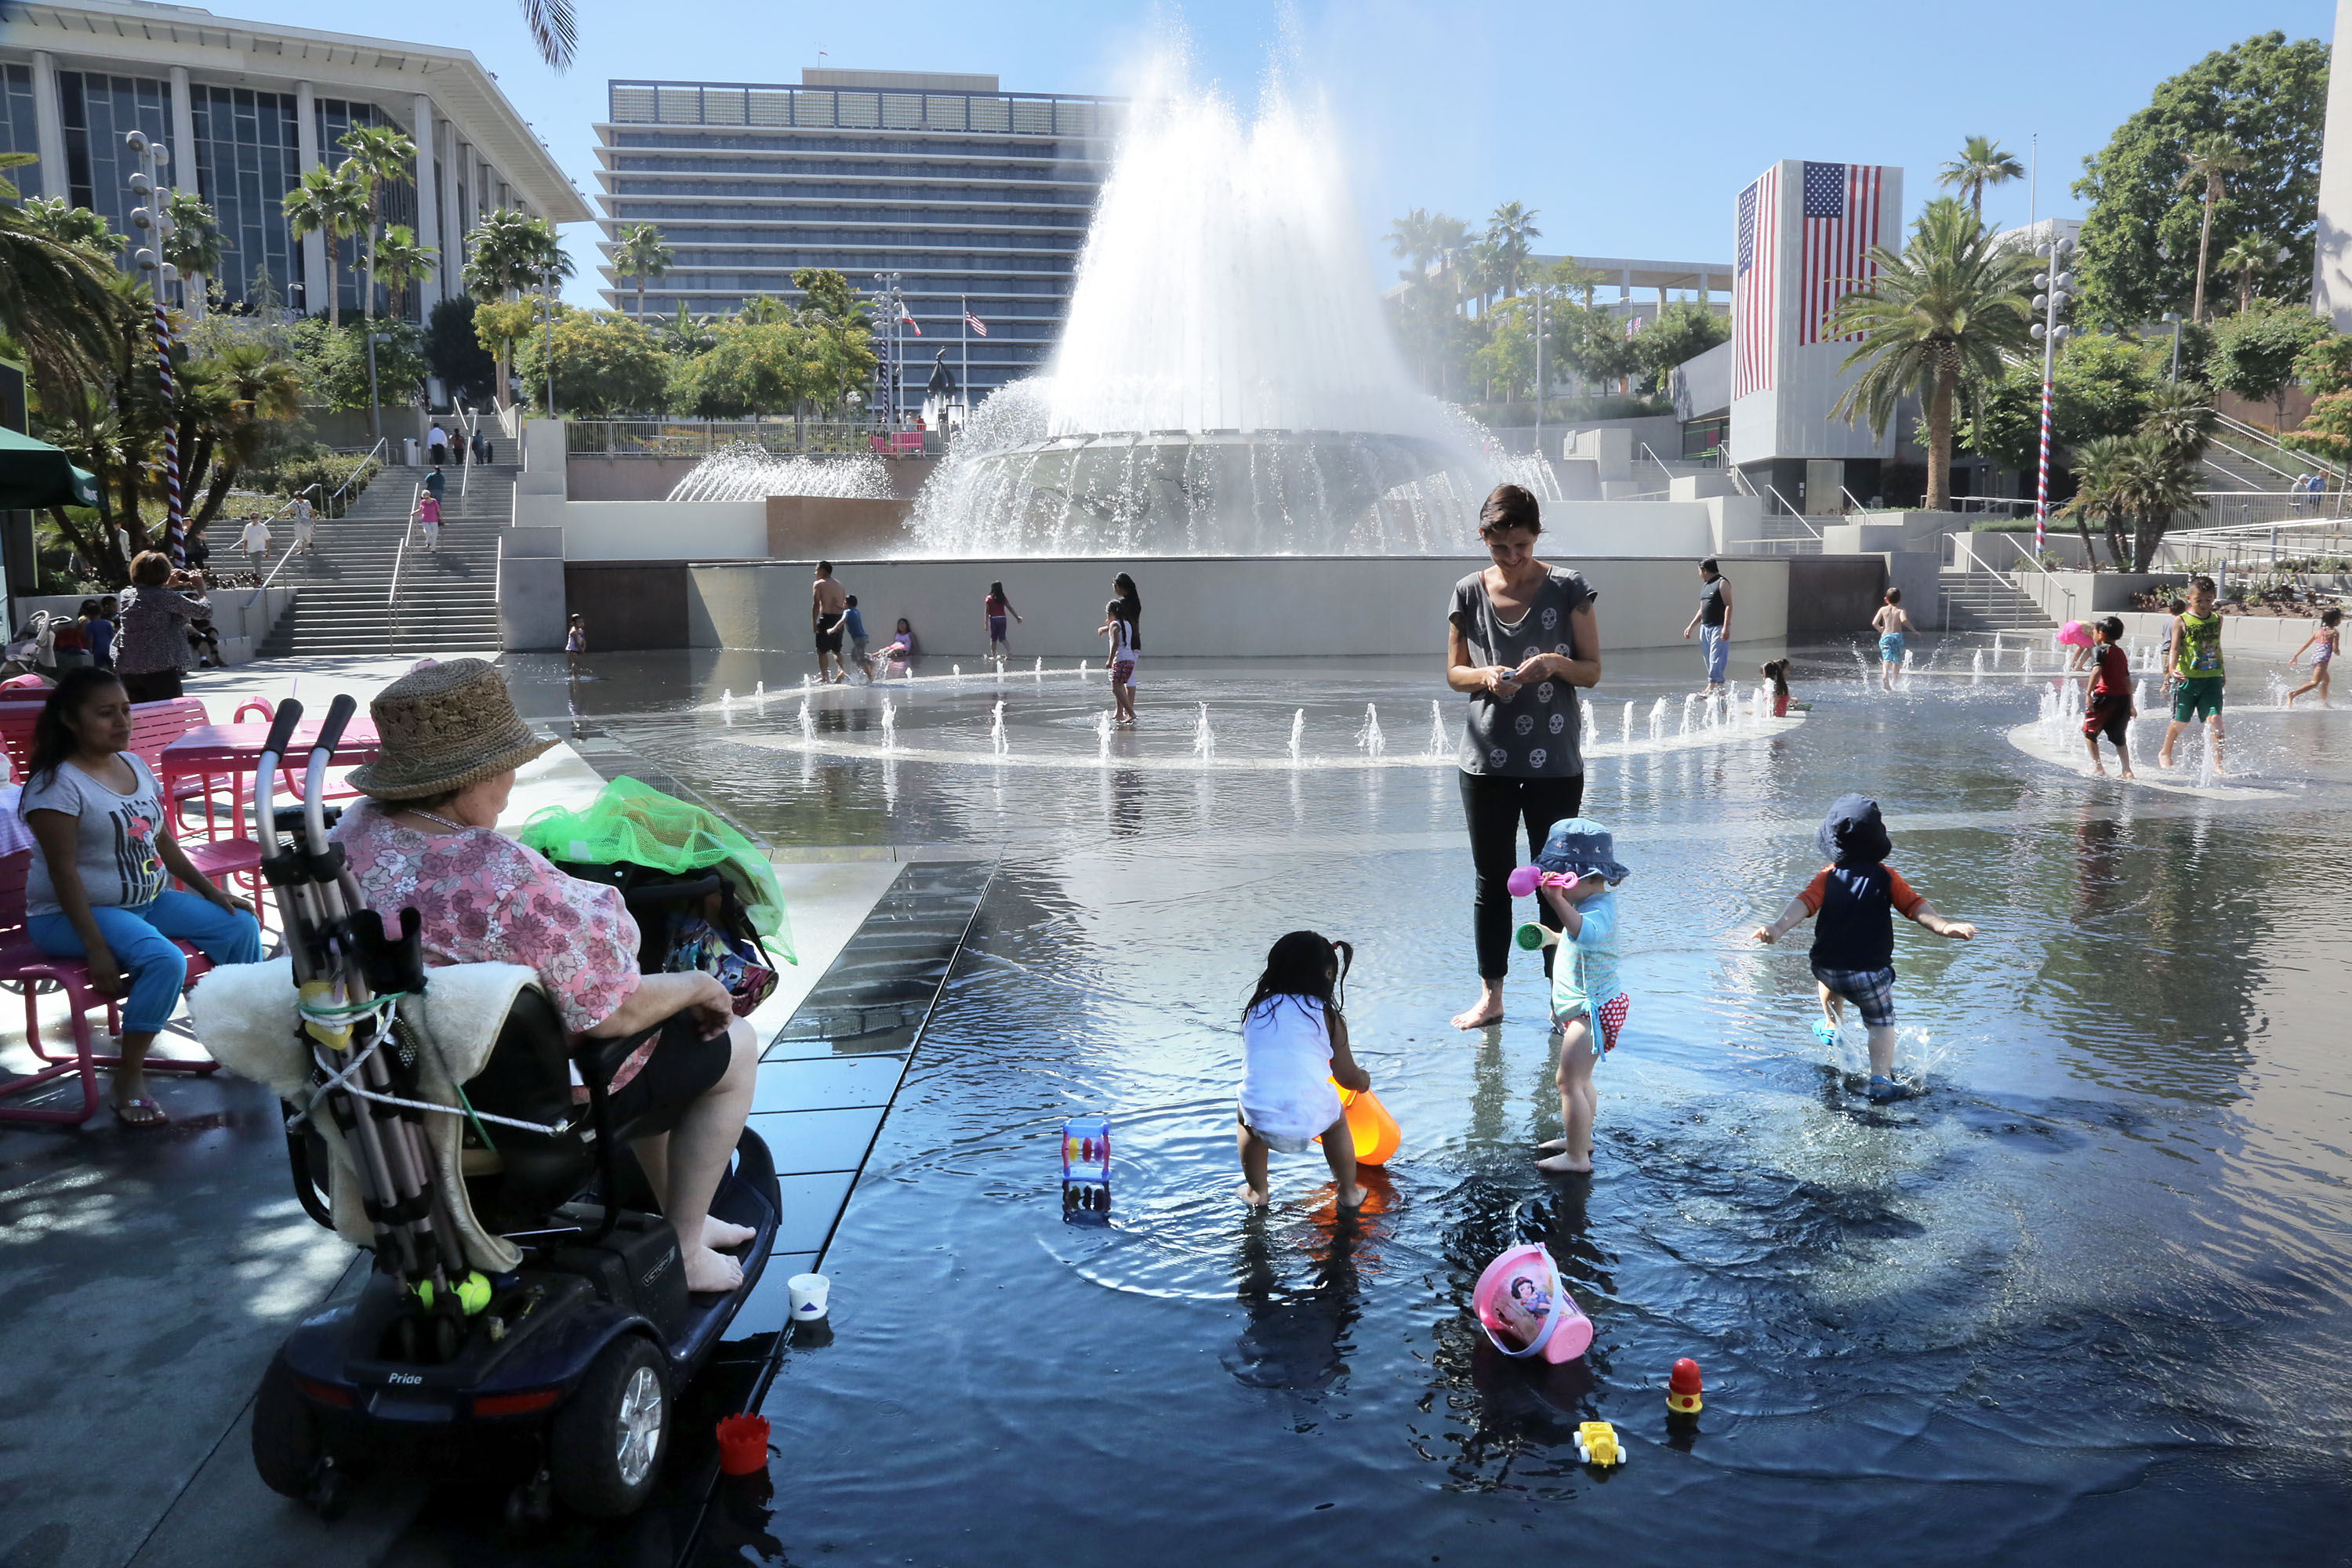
<point>306,525</point>
<point>481,448</point>
<point>436,443</point>
<point>437,482</point>
<point>428,514</point>
<point>255,542</point>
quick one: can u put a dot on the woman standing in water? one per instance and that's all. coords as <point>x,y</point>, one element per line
<point>997,606</point>
<point>1521,638</point>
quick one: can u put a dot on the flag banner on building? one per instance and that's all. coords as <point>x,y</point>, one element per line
<point>1752,292</point>
<point>974,323</point>
<point>1841,219</point>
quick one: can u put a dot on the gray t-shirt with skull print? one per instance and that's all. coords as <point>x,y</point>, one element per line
<point>1538,733</point>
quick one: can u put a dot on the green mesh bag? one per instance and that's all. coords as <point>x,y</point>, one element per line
<point>631,822</point>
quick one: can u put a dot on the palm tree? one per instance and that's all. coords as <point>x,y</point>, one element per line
<point>328,202</point>
<point>54,295</point>
<point>2181,415</point>
<point>60,219</point>
<point>228,399</point>
<point>1508,229</point>
<point>2250,255</point>
<point>379,156</point>
<point>554,30</point>
<point>1942,313</point>
<point>641,254</point>
<point>1412,239</point>
<point>501,257</point>
<point>400,262</point>
<point>194,246</point>
<point>1981,163</point>
<point>2210,161</point>
<point>685,334</point>
<point>2140,478</point>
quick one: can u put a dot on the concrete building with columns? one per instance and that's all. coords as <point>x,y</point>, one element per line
<point>244,107</point>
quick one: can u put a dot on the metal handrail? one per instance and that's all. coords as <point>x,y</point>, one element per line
<point>1794,511</point>
<point>2018,545</point>
<point>1741,481</point>
<point>401,555</point>
<point>2255,432</point>
<point>1661,466</point>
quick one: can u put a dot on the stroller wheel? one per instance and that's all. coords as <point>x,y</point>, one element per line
<point>285,1447</point>
<point>606,1445</point>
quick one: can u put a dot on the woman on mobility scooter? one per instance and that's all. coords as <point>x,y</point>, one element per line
<point>427,838</point>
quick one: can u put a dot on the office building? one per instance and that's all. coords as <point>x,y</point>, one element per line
<point>974,195</point>
<point>244,108</point>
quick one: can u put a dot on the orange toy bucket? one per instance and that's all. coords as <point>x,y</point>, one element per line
<point>1375,1132</point>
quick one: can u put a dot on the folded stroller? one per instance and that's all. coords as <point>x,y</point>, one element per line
<point>522,1309</point>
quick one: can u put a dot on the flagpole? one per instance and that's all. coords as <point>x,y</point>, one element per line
<point>964,300</point>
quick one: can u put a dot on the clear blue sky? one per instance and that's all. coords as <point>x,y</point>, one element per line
<point>1630,127</point>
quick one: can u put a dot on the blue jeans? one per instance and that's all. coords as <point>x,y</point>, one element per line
<point>140,937</point>
<point>1718,652</point>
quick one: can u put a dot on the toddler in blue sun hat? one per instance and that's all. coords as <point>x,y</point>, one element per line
<point>1588,1004</point>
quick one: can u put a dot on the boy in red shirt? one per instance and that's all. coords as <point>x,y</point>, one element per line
<point>1856,895</point>
<point>2111,709</point>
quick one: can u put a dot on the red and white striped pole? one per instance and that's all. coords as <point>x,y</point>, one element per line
<point>2053,285</point>
<point>2042,488</point>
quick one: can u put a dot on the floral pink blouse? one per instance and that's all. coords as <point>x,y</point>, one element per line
<point>481,898</point>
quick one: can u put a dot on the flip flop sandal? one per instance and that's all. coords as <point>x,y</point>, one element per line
<point>143,1102</point>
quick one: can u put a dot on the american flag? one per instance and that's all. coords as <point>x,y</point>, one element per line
<point>1841,218</point>
<point>1752,291</point>
<point>974,323</point>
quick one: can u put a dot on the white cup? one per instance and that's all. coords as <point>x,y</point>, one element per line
<point>808,1293</point>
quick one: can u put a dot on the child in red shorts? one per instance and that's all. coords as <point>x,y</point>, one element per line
<point>1856,895</point>
<point>2111,709</point>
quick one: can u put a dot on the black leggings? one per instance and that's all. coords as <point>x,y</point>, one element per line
<point>1497,806</point>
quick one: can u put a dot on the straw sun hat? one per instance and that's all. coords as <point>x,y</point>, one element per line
<point>443,727</point>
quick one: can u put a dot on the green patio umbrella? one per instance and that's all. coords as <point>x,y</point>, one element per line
<point>34,474</point>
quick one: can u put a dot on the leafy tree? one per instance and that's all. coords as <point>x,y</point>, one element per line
<point>229,404</point>
<point>2326,430</point>
<point>605,364</point>
<point>1684,330</point>
<point>763,309</point>
<point>2136,481</point>
<point>2254,352</point>
<point>329,203</point>
<point>379,156</point>
<point>1412,240</point>
<point>1508,359</point>
<point>2100,386</point>
<point>61,220</point>
<point>2136,259</point>
<point>500,327</point>
<point>1948,310</point>
<point>1593,344</point>
<point>334,361</point>
<point>509,254</point>
<point>455,352</point>
<point>831,310</point>
<point>195,245</point>
<point>683,335</point>
<point>2325,366</point>
<point>554,30</point>
<point>1981,163</point>
<point>751,368</point>
<point>641,254</point>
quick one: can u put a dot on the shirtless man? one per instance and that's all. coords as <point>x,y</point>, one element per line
<point>828,600</point>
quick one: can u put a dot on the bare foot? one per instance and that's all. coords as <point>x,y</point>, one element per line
<point>1562,1164</point>
<point>1551,1146</point>
<point>2164,759</point>
<point>718,1235</point>
<point>1250,1195</point>
<point>2129,774</point>
<point>711,1273</point>
<point>1488,1009</point>
<point>2098,771</point>
<point>1351,1196</point>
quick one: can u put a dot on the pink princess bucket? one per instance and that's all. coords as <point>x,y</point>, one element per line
<point>1526,1310</point>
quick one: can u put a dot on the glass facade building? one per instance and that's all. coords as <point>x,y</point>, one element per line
<point>971,194</point>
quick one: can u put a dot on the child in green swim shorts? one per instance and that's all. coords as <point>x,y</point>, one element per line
<point>2197,672</point>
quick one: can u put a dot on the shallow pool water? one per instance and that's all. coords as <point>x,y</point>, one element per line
<point>2087,1293</point>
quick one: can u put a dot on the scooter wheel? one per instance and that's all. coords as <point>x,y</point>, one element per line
<point>606,1443</point>
<point>286,1447</point>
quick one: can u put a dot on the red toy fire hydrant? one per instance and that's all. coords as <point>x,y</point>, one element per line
<point>1682,1388</point>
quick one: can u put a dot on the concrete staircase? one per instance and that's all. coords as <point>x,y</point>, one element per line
<point>1980,601</point>
<point>447,601</point>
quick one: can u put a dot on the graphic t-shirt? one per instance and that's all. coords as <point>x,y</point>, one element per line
<point>2197,646</point>
<point>114,844</point>
<point>1537,732</point>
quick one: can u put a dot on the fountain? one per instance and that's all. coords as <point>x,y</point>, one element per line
<point>1975,667</point>
<point>1625,730</point>
<point>1658,720</point>
<point>2209,769</point>
<point>1205,740</point>
<point>1297,734</point>
<point>1688,699</point>
<point>2274,691</point>
<point>1102,738</point>
<point>889,726</point>
<point>1996,650</point>
<point>997,740</point>
<point>2029,661</point>
<point>1369,740</point>
<point>727,706</point>
<point>1591,731</point>
<point>1439,744</point>
<point>760,695</point>
<point>1041,667</point>
<point>745,470</point>
<point>1226,383</point>
<point>808,723</point>
<point>956,671</point>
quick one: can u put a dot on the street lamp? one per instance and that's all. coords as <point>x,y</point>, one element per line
<point>1538,290</point>
<point>2174,317</point>
<point>2053,284</point>
<point>152,215</point>
<point>892,347</point>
